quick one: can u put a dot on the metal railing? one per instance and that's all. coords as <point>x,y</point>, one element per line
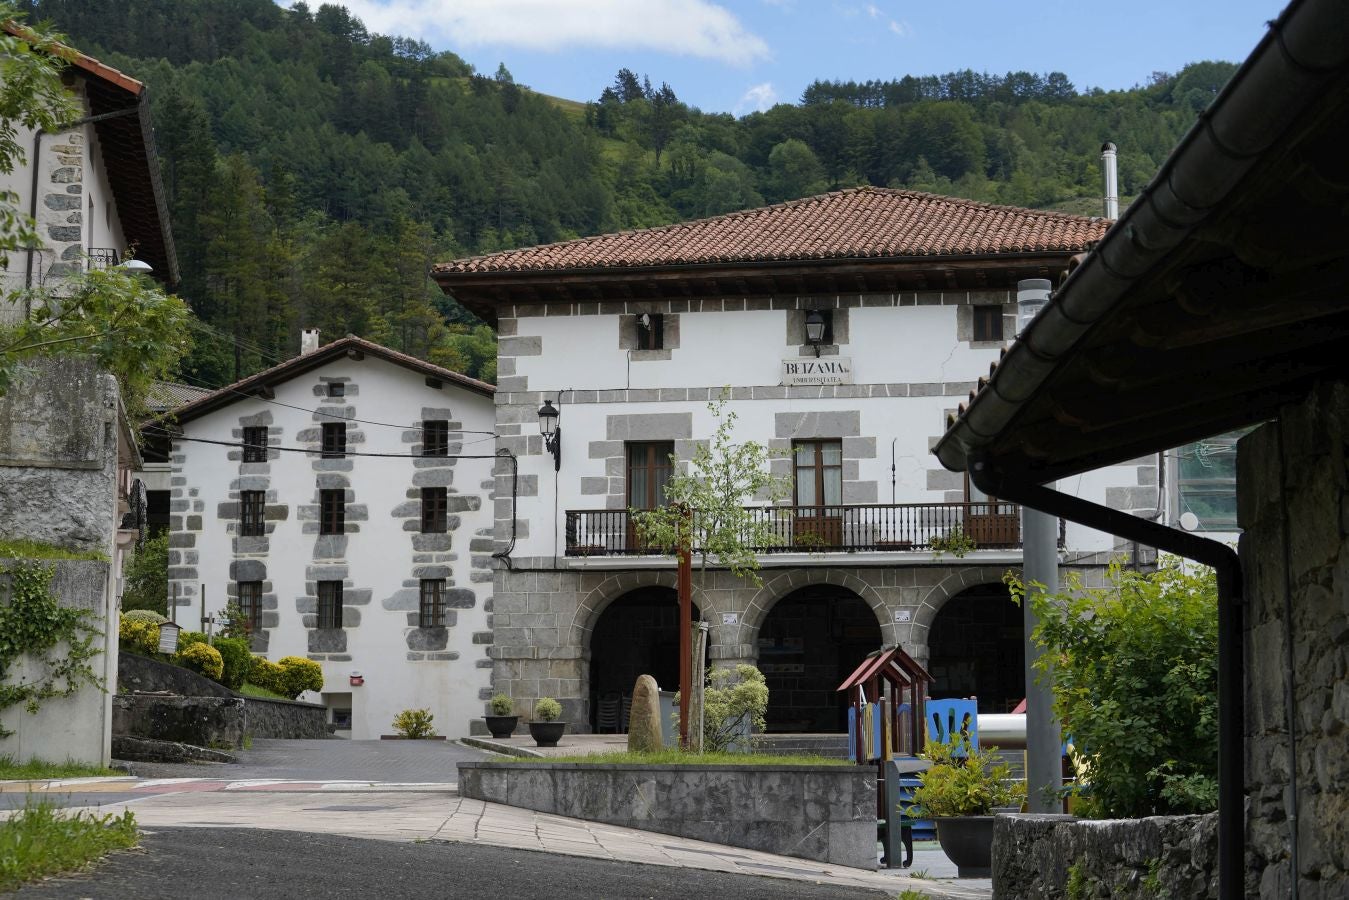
<point>102,258</point>
<point>825,529</point>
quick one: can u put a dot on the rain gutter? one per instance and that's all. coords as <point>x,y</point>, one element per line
<point>1231,615</point>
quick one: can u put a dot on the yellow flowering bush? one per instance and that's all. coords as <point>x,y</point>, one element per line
<point>138,635</point>
<point>267,674</point>
<point>300,675</point>
<point>202,658</point>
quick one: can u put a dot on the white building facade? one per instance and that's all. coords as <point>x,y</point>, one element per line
<point>343,500</point>
<point>630,336</point>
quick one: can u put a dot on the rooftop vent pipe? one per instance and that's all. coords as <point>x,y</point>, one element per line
<point>309,341</point>
<point>1031,296</point>
<point>1111,181</point>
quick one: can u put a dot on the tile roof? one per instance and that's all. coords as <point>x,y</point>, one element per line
<point>300,364</point>
<point>859,223</point>
<point>170,394</point>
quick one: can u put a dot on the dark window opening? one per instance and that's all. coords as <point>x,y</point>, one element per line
<point>649,470</point>
<point>342,719</point>
<point>435,512</point>
<point>330,604</point>
<point>651,331</point>
<point>251,519</point>
<point>987,323</point>
<point>250,604</point>
<point>436,438</point>
<point>255,444</point>
<point>433,603</point>
<point>334,440</point>
<point>332,511</point>
<point>337,389</point>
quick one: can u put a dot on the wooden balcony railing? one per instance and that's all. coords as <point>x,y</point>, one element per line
<point>826,529</point>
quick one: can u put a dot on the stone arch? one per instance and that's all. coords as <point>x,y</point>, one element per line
<point>597,600</point>
<point>788,582</point>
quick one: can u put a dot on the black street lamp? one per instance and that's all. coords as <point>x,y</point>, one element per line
<point>815,330</point>
<point>552,434</point>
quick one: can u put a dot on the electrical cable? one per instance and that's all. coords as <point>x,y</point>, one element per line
<point>160,432</point>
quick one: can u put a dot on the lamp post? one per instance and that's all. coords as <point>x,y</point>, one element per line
<point>815,330</point>
<point>552,434</point>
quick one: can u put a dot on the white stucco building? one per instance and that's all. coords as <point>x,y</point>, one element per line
<point>343,500</point>
<point>630,335</point>
<point>94,189</point>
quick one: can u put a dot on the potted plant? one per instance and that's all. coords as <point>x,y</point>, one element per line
<point>545,729</point>
<point>501,723</point>
<point>960,793</point>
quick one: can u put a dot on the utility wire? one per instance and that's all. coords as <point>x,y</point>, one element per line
<point>315,451</point>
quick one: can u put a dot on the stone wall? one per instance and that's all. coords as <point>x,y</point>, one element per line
<point>1046,857</point>
<point>1293,504</point>
<point>826,813</point>
<point>58,454</point>
<point>204,721</point>
<point>265,718</point>
<point>140,674</point>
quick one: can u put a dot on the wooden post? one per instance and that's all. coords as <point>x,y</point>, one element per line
<point>685,585</point>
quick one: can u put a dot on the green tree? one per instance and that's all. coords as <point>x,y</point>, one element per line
<point>147,577</point>
<point>793,171</point>
<point>1135,669</point>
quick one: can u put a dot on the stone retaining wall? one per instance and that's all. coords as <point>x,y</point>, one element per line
<point>265,718</point>
<point>1046,857</point>
<point>140,674</point>
<point>825,813</point>
<point>204,721</point>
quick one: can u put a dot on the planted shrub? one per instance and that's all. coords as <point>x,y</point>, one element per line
<point>147,577</point>
<point>547,710</point>
<point>238,661</point>
<point>201,658</point>
<point>299,675</point>
<point>734,703</point>
<point>144,615</point>
<point>502,705</point>
<point>972,784</point>
<point>138,635</point>
<point>414,724</point>
<point>269,675</point>
<point>186,638</point>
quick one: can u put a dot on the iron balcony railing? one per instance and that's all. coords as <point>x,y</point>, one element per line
<point>957,527</point>
<point>102,258</point>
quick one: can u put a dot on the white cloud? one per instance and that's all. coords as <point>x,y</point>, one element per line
<point>903,29</point>
<point>697,28</point>
<point>759,98</point>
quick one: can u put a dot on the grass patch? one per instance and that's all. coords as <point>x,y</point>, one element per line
<point>42,840</point>
<point>34,769</point>
<point>680,758</point>
<point>252,690</point>
<point>20,548</point>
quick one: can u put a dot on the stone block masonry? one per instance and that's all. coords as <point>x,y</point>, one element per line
<point>825,813</point>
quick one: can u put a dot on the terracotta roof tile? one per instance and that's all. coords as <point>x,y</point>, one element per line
<point>865,222</point>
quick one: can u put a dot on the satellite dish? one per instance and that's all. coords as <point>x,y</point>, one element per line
<point>1189,521</point>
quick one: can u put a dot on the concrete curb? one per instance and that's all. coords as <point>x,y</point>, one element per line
<point>497,747</point>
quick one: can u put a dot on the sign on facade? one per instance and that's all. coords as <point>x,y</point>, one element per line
<point>808,370</point>
<point>730,618</point>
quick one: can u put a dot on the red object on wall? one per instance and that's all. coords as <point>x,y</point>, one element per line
<point>357,680</point>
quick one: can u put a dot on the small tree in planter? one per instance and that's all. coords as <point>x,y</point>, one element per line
<point>546,729</point>
<point>414,724</point>
<point>501,723</point>
<point>959,793</point>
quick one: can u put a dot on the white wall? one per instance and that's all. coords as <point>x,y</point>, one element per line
<point>379,556</point>
<point>911,353</point>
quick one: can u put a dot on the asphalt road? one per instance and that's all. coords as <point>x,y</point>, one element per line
<point>216,864</point>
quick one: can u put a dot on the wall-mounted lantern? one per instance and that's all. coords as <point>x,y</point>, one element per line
<point>815,330</point>
<point>552,434</point>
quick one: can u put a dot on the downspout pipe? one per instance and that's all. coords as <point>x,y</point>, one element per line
<point>1231,671</point>
<point>37,166</point>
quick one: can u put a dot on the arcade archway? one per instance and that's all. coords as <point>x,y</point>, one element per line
<point>637,634</point>
<point>975,649</point>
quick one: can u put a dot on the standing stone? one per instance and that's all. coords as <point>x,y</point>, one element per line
<point>644,719</point>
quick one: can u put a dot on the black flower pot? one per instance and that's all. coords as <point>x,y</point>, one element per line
<point>546,734</point>
<point>501,726</point>
<point>968,842</point>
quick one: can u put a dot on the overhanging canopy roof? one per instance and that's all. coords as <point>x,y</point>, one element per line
<point>1222,293</point>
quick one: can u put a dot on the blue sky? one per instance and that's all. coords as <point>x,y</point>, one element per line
<point>742,55</point>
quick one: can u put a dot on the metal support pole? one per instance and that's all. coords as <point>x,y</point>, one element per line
<point>1044,740</point>
<point>685,586</point>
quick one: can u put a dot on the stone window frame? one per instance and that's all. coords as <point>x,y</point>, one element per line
<point>965,325</point>
<point>255,443</point>
<point>329,608</point>
<point>431,607</point>
<point>987,323</point>
<point>333,440</point>
<point>332,511</point>
<point>837,333</point>
<point>670,468</point>
<point>629,336</point>
<point>336,388</point>
<point>435,512</point>
<point>252,513</point>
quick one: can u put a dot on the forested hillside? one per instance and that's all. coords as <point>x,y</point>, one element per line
<point>315,170</point>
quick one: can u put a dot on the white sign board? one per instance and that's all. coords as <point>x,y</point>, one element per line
<point>902,615</point>
<point>730,618</point>
<point>825,370</point>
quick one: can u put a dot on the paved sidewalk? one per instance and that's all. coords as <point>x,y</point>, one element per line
<point>420,816</point>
